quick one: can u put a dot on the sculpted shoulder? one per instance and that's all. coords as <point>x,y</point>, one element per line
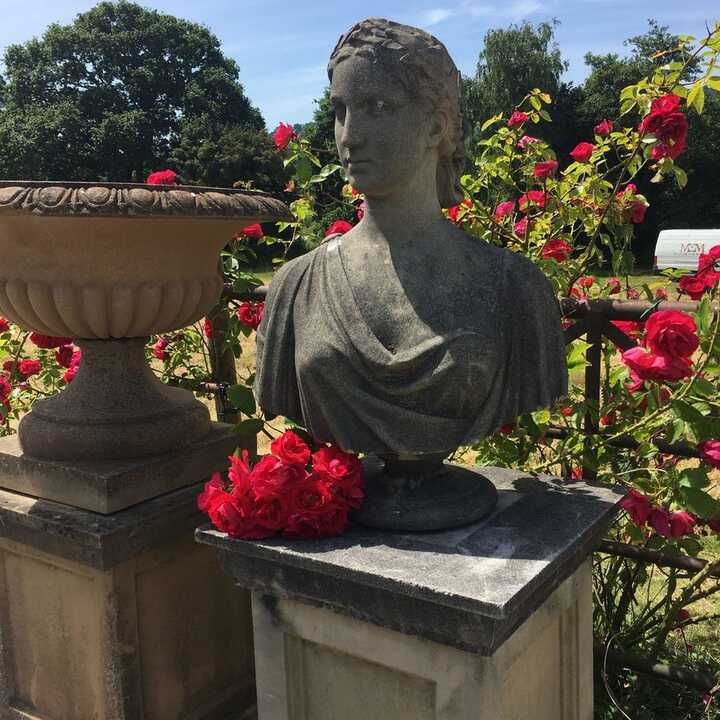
<point>290,274</point>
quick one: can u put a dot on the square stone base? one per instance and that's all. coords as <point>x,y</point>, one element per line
<point>118,617</point>
<point>316,664</point>
<point>113,485</point>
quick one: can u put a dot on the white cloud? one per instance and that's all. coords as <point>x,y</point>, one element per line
<point>433,16</point>
<point>522,8</point>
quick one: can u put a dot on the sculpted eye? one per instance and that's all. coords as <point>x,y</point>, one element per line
<point>339,110</point>
<point>378,106</point>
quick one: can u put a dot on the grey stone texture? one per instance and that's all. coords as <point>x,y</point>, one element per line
<point>469,588</point>
<point>116,408</point>
<point>106,486</point>
<point>406,335</point>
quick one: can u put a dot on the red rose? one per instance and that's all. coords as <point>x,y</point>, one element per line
<point>637,506</point>
<point>556,249</point>
<point>454,211</point>
<point>48,341</point>
<point>545,169</point>
<point>212,487</point>
<point>251,314</point>
<point>70,374</point>
<point>661,294</point>
<point>649,366</point>
<point>29,367</point>
<point>517,118</point>
<point>709,266</point>
<point>239,471</point>
<point>660,521</point>
<point>603,128</point>
<point>5,389</point>
<point>272,512</point>
<point>504,209</point>
<point>158,348</point>
<point>315,510</point>
<point>343,471</point>
<point>668,124</point>
<point>587,281</point>
<point>692,285</point>
<point>582,152</point>
<point>253,231</point>
<point>339,227</point>
<point>536,197</point>
<point>629,327</point>
<point>682,523</point>
<point>672,333</point>
<point>272,476</point>
<point>632,294</point>
<point>613,285</point>
<point>291,448</point>
<point>526,141</point>
<point>521,227</point>
<point>207,329</point>
<point>162,177</point>
<point>506,429</point>
<point>710,452</point>
<point>234,514</point>
<point>714,524</point>
<point>4,324</point>
<point>283,135</point>
<point>64,356</point>
<point>360,211</point>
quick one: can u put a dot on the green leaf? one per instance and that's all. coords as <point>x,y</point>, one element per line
<point>704,315</point>
<point>691,546</point>
<point>325,173</point>
<point>703,387</point>
<point>541,417</point>
<point>576,357</point>
<point>535,102</point>
<point>249,427</point>
<point>680,177</point>
<point>694,478</point>
<point>700,503</point>
<point>714,82</point>
<point>491,121</point>
<point>242,398</point>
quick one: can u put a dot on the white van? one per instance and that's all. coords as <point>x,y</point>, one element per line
<point>681,249</point>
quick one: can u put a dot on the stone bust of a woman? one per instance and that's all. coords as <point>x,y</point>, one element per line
<point>405,336</point>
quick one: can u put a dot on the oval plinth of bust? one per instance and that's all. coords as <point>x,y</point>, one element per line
<point>108,311</point>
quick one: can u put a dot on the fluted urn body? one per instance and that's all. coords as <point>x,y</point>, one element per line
<point>108,265</point>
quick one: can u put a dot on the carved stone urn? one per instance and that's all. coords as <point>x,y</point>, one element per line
<point>108,265</point>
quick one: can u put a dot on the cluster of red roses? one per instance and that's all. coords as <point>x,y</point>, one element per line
<point>669,126</point>
<point>643,512</point>
<point>19,370</point>
<point>162,177</point>
<point>291,491</point>
<point>706,277</point>
<point>670,340</point>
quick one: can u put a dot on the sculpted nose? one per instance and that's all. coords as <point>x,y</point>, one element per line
<point>351,134</point>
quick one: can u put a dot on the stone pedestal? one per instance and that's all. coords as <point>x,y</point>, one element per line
<point>488,622</point>
<point>117,614</point>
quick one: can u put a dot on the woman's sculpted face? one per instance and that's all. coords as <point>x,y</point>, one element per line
<point>385,138</point>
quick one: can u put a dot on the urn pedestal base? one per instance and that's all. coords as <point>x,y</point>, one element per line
<point>120,615</point>
<point>492,621</point>
<point>114,409</point>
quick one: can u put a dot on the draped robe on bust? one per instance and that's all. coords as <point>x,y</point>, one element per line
<point>499,353</point>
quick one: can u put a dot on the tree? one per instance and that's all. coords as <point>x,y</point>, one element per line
<point>110,96</point>
<point>513,61</point>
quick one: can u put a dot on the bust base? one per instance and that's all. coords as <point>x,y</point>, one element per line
<point>423,495</point>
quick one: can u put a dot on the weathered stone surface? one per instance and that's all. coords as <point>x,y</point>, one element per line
<point>315,664</point>
<point>469,588</point>
<point>116,408</point>
<point>110,486</point>
<point>117,617</point>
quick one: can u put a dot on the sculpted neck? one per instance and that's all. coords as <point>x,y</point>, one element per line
<point>406,213</point>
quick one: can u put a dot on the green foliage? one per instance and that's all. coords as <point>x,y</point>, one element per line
<point>111,95</point>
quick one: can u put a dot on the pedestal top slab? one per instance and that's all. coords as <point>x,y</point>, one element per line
<point>469,587</point>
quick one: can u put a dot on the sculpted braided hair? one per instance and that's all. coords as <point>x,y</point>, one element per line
<point>421,63</point>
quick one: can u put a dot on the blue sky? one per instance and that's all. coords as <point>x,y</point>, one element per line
<point>282,47</point>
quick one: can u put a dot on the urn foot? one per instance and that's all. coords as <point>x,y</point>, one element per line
<point>114,409</point>
<point>422,494</point>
